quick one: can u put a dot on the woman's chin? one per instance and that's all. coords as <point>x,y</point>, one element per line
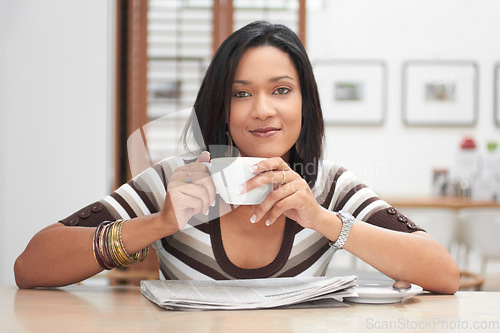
<point>267,154</point>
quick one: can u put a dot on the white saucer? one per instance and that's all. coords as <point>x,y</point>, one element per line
<point>382,294</point>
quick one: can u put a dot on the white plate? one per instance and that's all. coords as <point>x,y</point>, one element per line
<point>382,293</point>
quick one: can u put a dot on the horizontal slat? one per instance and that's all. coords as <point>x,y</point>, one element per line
<point>169,52</point>
<point>286,18</point>
<point>172,37</point>
<point>187,16</point>
<point>175,25</point>
<point>265,4</point>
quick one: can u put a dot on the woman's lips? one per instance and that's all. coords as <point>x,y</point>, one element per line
<point>265,132</point>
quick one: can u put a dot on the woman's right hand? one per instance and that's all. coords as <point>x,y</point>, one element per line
<point>190,191</point>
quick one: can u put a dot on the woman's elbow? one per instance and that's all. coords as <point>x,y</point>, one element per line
<point>21,275</point>
<point>448,282</point>
<point>454,284</point>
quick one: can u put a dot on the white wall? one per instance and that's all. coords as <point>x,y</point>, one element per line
<point>55,104</point>
<point>3,245</point>
<point>394,159</point>
<point>54,115</point>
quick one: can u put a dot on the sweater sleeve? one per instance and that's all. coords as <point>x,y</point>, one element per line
<point>143,195</point>
<point>341,190</point>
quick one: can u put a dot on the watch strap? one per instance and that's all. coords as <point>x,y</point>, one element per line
<point>347,222</point>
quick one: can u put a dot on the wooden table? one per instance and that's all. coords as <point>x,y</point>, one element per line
<point>444,202</point>
<point>124,309</point>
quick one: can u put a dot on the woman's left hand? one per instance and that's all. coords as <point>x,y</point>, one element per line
<point>291,195</point>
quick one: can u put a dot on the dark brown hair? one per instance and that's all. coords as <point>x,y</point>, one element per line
<point>212,105</point>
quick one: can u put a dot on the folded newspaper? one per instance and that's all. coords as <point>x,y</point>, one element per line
<point>246,294</point>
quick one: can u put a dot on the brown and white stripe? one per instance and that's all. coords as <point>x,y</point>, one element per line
<point>196,252</point>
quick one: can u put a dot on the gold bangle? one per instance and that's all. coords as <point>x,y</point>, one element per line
<point>119,255</point>
<point>113,246</point>
<point>120,247</point>
<point>135,257</point>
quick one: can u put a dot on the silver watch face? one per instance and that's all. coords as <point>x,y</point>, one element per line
<point>346,215</point>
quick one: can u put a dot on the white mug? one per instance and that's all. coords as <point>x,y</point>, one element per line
<point>229,173</point>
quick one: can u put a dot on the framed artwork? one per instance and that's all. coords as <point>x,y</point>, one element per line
<point>497,94</point>
<point>440,93</point>
<point>352,92</point>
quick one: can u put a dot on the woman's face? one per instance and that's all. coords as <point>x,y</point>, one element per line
<point>266,104</point>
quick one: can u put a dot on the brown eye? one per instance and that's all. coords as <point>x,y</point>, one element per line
<point>281,91</point>
<point>241,94</point>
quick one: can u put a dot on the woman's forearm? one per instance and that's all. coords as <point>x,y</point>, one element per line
<point>60,255</point>
<point>56,256</point>
<point>414,257</point>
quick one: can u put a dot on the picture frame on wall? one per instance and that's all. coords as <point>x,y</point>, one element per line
<point>352,92</point>
<point>497,94</point>
<point>440,93</point>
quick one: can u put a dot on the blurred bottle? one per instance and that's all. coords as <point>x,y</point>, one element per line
<point>440,182</point>
<point>490,174</point>
<point>467,168</point>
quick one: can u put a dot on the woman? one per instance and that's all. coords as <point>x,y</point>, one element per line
<point>260,97</point>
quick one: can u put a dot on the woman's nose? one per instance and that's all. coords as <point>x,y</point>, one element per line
<point>263,108</point>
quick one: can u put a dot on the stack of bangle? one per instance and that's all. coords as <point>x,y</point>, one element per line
<point>109,251</point>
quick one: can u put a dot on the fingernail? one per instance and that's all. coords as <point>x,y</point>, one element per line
<point>253,219</point>
<point>241,188</point>
<point>268,223</point>
<point>253,168</point>
<point>206,151</point>
<point>206,213</point>
<point>213,203</point>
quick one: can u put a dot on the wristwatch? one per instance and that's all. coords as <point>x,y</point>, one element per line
<point>347,222</point>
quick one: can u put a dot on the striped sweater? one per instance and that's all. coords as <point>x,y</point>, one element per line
<point>197,251</point>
